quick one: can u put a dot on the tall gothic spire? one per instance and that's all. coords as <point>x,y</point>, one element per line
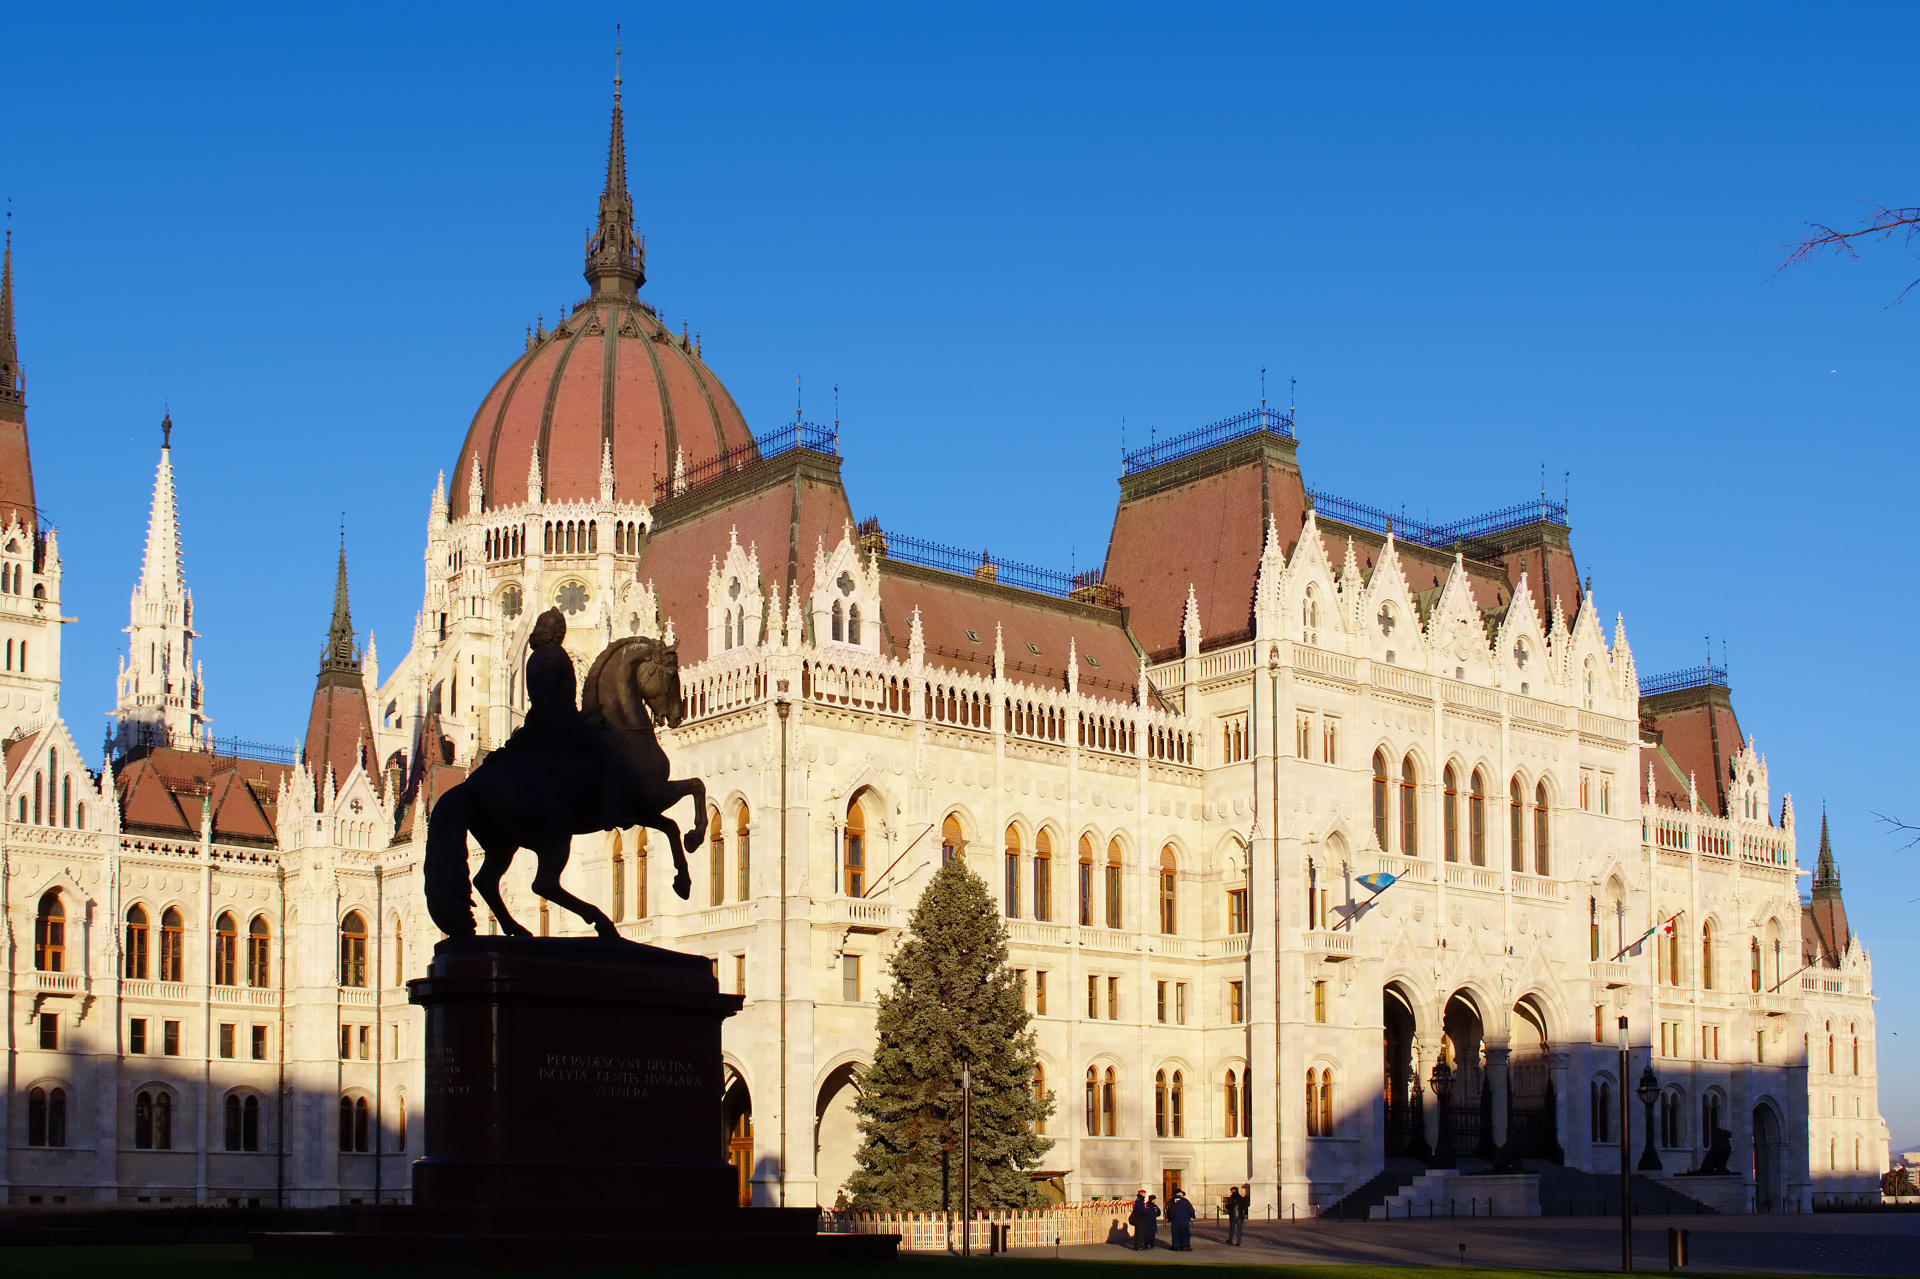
<point>341,657</point>
<point>161,696</point>
<point>1825,873</point>
<point>161,575</point>
<point>616,261</point>
<point>16,459</point>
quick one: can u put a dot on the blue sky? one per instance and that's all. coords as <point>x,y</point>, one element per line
<point>1482,241</point>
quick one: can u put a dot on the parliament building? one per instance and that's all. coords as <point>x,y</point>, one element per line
<point>1331,845</point>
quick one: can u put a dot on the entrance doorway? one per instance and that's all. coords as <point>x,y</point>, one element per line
<point>737,1115</point>
<point>1767,1161</point>
<point>1169,1182</point>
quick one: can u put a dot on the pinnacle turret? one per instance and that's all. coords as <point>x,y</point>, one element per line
<point>1825,873</point>
<point>616,260</point>
<point>341,657</point>
<point>161,697</point>
<point>12,384</point>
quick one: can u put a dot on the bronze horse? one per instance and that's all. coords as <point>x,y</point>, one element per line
<point>541,799</point>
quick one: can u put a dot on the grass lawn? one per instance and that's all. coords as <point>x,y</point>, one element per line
<point>233,1261</point>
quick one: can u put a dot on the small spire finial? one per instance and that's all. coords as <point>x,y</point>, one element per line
<point>166,431</point>
<point>616,62</point>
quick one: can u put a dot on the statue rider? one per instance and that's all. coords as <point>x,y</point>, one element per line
<point>554,722</point>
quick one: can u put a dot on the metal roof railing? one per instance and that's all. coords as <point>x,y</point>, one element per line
<point>1438,536</point>
<point>800,435</point>
<point>1158,452</point>
<point>1708,676</point>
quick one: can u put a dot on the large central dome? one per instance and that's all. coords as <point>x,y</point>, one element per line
<point>609,375</point>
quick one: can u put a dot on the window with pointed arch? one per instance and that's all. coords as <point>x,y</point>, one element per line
<point>226,951</point>
<point>50,933</point>
<point>953,841</point>
<point>1600,1098</point>
<point>742,853</point>
<point>153,1119</point>
<point>1113,882</point>
<point>1039,1123</point>
<point>1706,955</point>
<point>133,960</point>
<point>1086,881</point>
<point>1542,863</point>
<point>1177,1105</point>
<point>617,873</point>
<point>1042,876</point>
<point>1320,1103</point>
<point>839,623</point>
<point>1380,800</point>
<point>1589,683</point>
<point>1709,1118</point>
<point>1477,818</point>
<point>259,953</point>
<point>1169,884</point>
<point>173,944</point>
<point>1516,825</point>
<point>353,1125</point>
<point>1230,1127</point>
<point>853,624</point>
<point>1854,1030</point>
<point>242,1114</point>
<point>1450,814</point>
<point>1013,872</point>
<point>1093,1102</point>
<point>353,950</point>
<point>854,859</point>
<point>716,858</point>
<point>1310,616</point>
<point>1159,1103</point>
<point>1672,1125</point>
<point>1409,809</point>
<point>1109,1123</point>
<point>46,1116</point>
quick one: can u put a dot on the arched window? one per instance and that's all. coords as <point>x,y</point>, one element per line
<point>716,858</point>
<point>1516,825</point>
<point>1450,815</point>
<point>50,933</point>
<point>1588,680</point>
<point>1113,882</point>
<point>353,950</point>
<point>853,624</point>
<point>1093,1103</point>
<point>1706,955</point>
<point>153,1120</point>
<point>259,953</point>
<point>1231,1127</point>
<point>856,854</point>
<point>1380,799</point>
<point>66,801</point>
<point>1409,809</point>
<point>1856,1054</point>
<point>242,1122</point>
<point>173,945</point>
<point>1012,884</point>
<point>1672,1129</point>
<point>37,810</point>
<point>1108,1122</point>
<point>399,952</point>
<point>839,622</point>
<point>1086,881</point>
<point>226,951</point>
<point>1753,955</point>
<point>1159,1103</point>
<point>1477,819</point>
<point>1541,863</point>
<point>617,871</point>
<point>1310,616</point>
<point>742,853</point>
<point>1326,1103</point>
<point>133,962</point>
<point>593,536</point>
<point>353,1125</point>
<point>726,638</point>
<point>1039,1124</point>
<point>1169,879</point>
<point>1042,876</point>
<point>46,1116</point>
<point>1709,1118</point>
<point>1830,1069</point>
<point>1177,1106</point>
<point>952,841</point>
<point>1601,1118</point>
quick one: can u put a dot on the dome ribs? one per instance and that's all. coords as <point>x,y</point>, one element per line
<point>490,495</point>
<point>546,412</point>
<point>666,399</point>
<point>719,432</point>
<point>609,375</point>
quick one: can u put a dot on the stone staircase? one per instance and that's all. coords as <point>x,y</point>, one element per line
<point>1356,1203</point>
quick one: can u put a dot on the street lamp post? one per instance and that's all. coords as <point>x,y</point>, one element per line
<point>1442,1085</point>
<point>1649,1091</point>
<point>966,1160</point>
<point>1626,1174</point>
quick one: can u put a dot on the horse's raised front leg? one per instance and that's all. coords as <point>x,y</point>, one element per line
<point>546,882</point>
<point>486,882</point>
<point>682,878</point>
<point>698,789</point>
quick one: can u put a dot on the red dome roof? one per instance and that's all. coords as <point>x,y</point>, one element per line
<point>609,374</point>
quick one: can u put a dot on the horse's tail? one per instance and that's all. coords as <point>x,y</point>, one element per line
<point>448,885</point>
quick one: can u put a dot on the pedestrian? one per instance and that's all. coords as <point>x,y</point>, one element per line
<point>1137,1221</point>
<point>1236,1215</point>
<point>1152,1214</point>
<point>1180,1221</point>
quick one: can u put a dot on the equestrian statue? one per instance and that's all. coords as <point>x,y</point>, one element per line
<point>569,770</point>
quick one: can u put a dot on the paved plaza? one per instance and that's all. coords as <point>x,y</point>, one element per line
<point>1826,1243</point>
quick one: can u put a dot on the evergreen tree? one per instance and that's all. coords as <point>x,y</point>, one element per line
<point>954,1000</point>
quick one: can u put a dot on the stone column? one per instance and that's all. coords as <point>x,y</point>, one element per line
<point>1426,1051</point>
<point>1497,1074</point>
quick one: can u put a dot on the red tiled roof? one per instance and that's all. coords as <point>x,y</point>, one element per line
<point>340,733</point>
<point>575,389</point>
<point>162,792</point>
<point>1699,731</point>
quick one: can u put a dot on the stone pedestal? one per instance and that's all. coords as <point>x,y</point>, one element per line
<point>569,1073</point>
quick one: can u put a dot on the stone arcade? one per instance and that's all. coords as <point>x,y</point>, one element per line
<point>1174,770</point>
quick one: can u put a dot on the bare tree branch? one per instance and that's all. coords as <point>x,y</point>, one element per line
<point>1882,223</point>
<point>1899,827</point>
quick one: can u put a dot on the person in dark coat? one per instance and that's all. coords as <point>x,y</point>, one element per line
<point>1137,1221</point>
<point>1236,1207</point>
<point>1152,1214</point>
<point>1180,1221</point>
